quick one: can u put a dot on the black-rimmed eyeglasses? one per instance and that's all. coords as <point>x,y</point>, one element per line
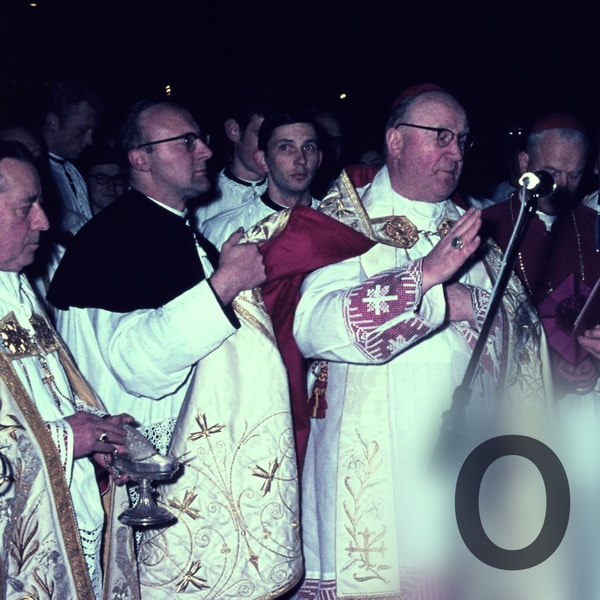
<point>445,136</point>
<point>189,139</point>
<point>105,178</point>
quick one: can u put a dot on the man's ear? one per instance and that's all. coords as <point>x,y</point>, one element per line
<point>138,159</point>
<point>523,161</point>
<point>259,157</point>
<point>232,130</point>
<point>394,142</point>
<point>320,159</point>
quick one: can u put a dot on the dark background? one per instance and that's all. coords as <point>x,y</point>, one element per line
<point>507,62</point>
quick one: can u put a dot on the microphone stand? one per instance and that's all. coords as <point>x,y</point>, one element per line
<point>454,420</point>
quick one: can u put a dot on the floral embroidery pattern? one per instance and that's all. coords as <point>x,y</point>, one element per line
<point>364,545</point>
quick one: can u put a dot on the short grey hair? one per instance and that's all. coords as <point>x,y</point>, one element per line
<point>573,136</point>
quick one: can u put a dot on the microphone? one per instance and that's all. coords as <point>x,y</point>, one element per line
<point>540,183</point>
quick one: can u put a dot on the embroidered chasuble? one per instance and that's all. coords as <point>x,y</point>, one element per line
<point>295,242</point>
<point>181,355</point>
<point>377,520</point>
<point>237,532</point>
<point>51,514</point>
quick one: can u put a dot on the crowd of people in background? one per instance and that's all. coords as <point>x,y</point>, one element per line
<point>290,319</point>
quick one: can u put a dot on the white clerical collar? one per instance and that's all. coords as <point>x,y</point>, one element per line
<point>179,213</point>
<point>56,158</point>
<point>547,220</point>
<point>10,280</point>
<point>385,201</point>
<point>11,293</point>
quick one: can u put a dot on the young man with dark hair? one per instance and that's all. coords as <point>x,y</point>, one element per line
<point>288,153</point>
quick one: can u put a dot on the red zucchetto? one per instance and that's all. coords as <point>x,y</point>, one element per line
<point>416,90</point>
<point>558,121</point>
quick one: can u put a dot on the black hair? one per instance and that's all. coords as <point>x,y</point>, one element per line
<point>280,118</point>
<point>62,95</point>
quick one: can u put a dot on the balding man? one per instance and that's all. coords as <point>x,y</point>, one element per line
<point>394,329</point>
<point>149,313</point>
<point>139,256</point>
<point>52,519</point>
<point>559,263</point>
<point>560,241</point>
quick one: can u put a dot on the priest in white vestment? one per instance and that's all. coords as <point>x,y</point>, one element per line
<point>51,513</point>
<point>393,330</point>
<point>288,153</point>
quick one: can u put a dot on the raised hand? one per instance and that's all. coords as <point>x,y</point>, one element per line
<point>452,251</point>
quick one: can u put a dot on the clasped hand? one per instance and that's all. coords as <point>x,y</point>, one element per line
<point>240,268</point>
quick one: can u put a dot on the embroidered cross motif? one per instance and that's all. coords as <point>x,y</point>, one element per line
<point>190,577</point>
<point>364,550</point>
<point>268,476</point>
<point>186,505</point>
<point>205,429</point>
<point>377,300</point>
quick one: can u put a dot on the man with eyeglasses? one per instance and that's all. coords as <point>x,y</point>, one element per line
<point>393,331</point>
<point>160,321</point>
<point>558,263</point>
<point>104,176</point>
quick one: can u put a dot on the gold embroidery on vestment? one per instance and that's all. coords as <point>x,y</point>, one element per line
<point>267,475</point>
<point>205,430</point>
<point>16,340</point>
<point>190,577</point>
<point>185,506</point>
<point>238,305</point>
<point>364,543</point>
<point>12,429</point>
<point>44,335</point>
<point>404,233</point>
